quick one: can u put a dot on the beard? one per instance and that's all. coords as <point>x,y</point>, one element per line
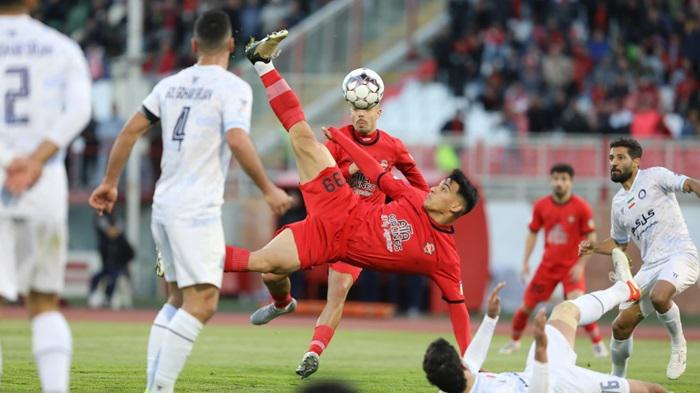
<point>620,176</point>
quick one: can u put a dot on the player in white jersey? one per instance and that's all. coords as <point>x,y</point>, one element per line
<point>646,210</point>
<point>45,88</point>
<point>204,113</point>
<point>551,362</point>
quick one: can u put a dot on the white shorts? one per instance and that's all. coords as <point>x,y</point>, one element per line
<point>33,256</point>
<point>681,270</point>
<point>193,251</point>
<point>565,376</point>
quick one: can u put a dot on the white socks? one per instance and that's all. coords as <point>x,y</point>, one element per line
<point>263,68</point>
<point>672,321</point>
<point>175,348</point>
<point>593,305</point>
<point>52,346</point>
<point>621,351</point>
<point>158,330</point>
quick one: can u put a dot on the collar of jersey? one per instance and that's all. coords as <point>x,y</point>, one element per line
<point>440,227</point>
<point>639,172</point>
<point>365,141</point>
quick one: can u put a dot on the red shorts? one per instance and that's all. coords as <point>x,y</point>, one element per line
<point>329,201</point>
<point>545,280</point>
<point>342,267</point>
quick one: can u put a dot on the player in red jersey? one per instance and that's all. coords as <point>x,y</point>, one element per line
<point>567,220</point>
<point>412,234</point>
<point>389,152</point>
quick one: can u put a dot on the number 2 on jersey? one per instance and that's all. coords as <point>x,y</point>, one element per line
<point>179,130</point>
<point>12,95</point>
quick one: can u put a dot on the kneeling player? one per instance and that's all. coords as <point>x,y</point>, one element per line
<point>412,234</point>
<point>551,363</point>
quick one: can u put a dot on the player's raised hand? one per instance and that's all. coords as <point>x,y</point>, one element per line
<point>494,308</point>
<point>103,198</point>
<point>22,173</point>
<point>278,200</point>
<point>328,132</point>
<point>586,247</point>
<point>540,336</point>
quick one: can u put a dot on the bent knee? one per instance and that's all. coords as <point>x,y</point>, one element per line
<point>272,277</point>
<point>566,312</point>
<point>622,329</point>
<point>660,301</point>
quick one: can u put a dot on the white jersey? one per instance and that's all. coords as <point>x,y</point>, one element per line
<point>509,382</point>
<point>196,107</point>
<point>649,213</point>
<point>45,88</point>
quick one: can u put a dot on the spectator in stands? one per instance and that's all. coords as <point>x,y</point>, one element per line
<point>454,127</point>
<point>115,253</point>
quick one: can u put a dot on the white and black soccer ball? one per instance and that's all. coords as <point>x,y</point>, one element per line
<point>363,88</point>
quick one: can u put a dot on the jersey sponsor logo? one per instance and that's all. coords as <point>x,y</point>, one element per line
<point>643,223</point>
<point>557,235</point>
<point>429,248</point>
<point>396,232</point>
<point>361,185</point>
<point>571,219</point>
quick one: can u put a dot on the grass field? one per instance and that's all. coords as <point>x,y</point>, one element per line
<point>110,357</point>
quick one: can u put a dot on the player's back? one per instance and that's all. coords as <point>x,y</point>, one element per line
<point>43,76</point>
<point>196,107</point>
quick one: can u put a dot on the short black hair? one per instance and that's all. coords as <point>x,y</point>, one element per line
<point>466,190</point>
<point>634,149</point>
<point>211,30</point>
<point>327,387</point>
<point>562,168</point>
<point>443,367</point>
<point>11,3</point>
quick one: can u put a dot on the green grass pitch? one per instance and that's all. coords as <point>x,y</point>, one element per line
<point>110,357</point>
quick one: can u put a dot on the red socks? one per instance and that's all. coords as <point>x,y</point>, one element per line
<point>593,331</point>
<point>236,259</point>
<point>281,301</point>
<point>282,99</point>
<point>322,336</point>
<point>519,323</point>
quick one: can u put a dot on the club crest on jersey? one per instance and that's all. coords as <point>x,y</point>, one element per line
<point>429,248</point>
<point>642,193</point>
<point>571,219</point>
<point>396,232</point>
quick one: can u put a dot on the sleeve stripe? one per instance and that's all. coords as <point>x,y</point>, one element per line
<point>681,181</point>
<point>149,115</point>
<point>620,241</point>
<point>237,124</point>
<point>453,301</point>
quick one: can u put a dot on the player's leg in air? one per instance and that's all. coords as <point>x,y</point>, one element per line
<point>572,290</point>
<point>280,256</point>
<point>588,308</point>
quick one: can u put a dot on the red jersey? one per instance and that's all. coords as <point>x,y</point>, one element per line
<point>401,237</point>
<point>565,226</point>
<point>389,152</point>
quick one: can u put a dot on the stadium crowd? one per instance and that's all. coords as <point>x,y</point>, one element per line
<point>589,66</point>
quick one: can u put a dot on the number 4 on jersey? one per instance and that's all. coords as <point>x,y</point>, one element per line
<point>179,130</point>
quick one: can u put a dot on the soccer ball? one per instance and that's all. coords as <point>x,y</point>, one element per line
<point>363,88</point>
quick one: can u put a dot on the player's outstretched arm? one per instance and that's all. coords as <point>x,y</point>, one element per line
<point>476,352</point>
<point>540,373</point>
<point>604,247</point>
<point>243,149</point>
<point>692,185</point>
<point>105,195</point>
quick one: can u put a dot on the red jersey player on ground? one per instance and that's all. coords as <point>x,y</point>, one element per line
<point>389,152</point>
<point>412,234</point>
<point>567,220</point>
